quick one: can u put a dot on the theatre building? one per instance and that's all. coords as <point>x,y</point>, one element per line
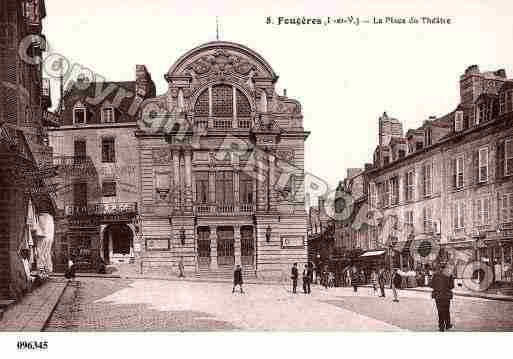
<point>221,161</point>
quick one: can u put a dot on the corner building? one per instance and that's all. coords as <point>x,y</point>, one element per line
<point>221,158</point>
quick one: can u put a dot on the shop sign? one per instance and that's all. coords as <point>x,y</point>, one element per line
<point>292,241</point>
<point>157,244</point>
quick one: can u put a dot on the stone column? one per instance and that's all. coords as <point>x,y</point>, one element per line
<point>272,179</point>
<point>212,187</point>
<point>188,180</point>
<point>235,122</point>
<point>237,244</point>
<point>236,197</point>
<point>176,179</point>
<point>213,247</point>
<point>111,251</point>
<point>210,112</point>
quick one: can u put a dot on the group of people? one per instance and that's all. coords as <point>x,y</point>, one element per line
<point>440,282</point>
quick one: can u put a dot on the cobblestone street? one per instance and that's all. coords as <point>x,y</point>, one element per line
<point>99,304</point>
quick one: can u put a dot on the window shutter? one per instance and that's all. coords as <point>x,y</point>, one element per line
<point>462,215</point>
<point>454,216</point>
<point>499,170</point>
<point>454,173</point>
<point>475,166</point>
<point>486,211</point>
<point>458,121</point>
<point>475,211</point>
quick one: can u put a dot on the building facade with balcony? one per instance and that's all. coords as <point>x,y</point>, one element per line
<point>95,154</point>
<point>26,204</point>
<point>221,167</point>
<point>451,180</point>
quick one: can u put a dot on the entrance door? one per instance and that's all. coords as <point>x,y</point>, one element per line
<point>203,247</point>
<point>247,245</point>
<point>118,241</point>
<point>225,246</point>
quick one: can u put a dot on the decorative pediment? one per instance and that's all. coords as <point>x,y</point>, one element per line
<point>220,59</point>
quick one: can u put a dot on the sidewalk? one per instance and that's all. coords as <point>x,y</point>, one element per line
<point>461,293</point>
<point>189,278</point>
<point>31,313</point>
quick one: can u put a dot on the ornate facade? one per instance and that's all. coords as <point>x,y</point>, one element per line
<point>221,168</point>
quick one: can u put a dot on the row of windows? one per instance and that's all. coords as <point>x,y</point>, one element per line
<point>108,149</point>
<point>81,115</point>
<point>386,193</point>
<point>223,187</point>
<point>80,192</point>
<point>458,220</point>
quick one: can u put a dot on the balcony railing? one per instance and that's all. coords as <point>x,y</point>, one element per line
<point>223,123</point>
<point>223,208</point>
<point>102,209</point>
<point>244,123</point>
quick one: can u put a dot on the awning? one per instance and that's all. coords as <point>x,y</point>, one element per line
<point>372,253</point>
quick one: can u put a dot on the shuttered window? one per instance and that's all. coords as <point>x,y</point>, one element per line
<point>427,176</point>
<point>459,171</point>
<point>481,211</point>
<point>458,215</point>
<point>506,208</point>
<point>508,157</point>
<point>483,164</point>
<point>410,185</point>
<point>427,219</point>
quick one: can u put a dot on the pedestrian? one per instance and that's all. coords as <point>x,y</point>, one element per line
<point>181,268</point>
<point>70,271</point>
<point>442,285</point>
<point>395,283</point>
<point>294,276</point>
<point>381,281</point>
<point>102,268</point>
<point>374,281</point>
<point>237,279</point>
<point>306,280</point>
<point>355,280</point>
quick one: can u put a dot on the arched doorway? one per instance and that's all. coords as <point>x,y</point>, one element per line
<point>118,243</point>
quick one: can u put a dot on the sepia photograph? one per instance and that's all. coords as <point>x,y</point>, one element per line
<point>297,168</point>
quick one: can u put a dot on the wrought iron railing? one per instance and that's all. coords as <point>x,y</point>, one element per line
<point>222,123</point>
<point>244,123</point>
<point>223,208</point>
<point>101,209</point>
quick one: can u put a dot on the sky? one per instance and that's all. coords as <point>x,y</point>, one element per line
<point>344,75</point>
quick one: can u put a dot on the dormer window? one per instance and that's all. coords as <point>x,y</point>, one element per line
<point>506,102</point>
<point>482,113</point>
<point>108,115</point>
<point>79,114</point>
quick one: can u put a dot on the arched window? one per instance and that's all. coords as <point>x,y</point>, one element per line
<point>243,107</point>
<point>201,106</point>
<point>222,101</point>
<point>219,103</point>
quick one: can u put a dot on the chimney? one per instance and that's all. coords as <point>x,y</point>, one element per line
<point>285,92</point>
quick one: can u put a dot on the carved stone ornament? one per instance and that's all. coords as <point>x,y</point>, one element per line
<point>220,62</point>
<point>285,154</point>
<point>161,156</point>
<point>211,159</point>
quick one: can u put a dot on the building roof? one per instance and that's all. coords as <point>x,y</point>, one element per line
<point>508,85</point>
<point>94,96</point>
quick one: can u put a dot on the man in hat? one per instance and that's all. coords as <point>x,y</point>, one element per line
<point>395,283</point>
<point>237,279</point>
<point>442,285</point>
<point>294,276</point>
